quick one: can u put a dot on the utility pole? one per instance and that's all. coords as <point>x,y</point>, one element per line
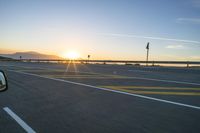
<point>147,47</point>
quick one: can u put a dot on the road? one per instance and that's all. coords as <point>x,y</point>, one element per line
<point>96,98</point>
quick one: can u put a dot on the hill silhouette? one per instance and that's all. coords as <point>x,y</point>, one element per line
<point>29,55</point>
<point>5,58</point>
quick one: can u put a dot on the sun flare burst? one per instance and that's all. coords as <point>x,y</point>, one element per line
<point>72,55</point>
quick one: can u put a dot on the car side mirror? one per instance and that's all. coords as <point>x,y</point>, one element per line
<point>3,81</point>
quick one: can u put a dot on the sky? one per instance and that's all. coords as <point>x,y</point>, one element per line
<point>104,29</point>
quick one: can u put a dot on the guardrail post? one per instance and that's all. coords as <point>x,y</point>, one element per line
<point>153,63</point>
<point>188,64</point>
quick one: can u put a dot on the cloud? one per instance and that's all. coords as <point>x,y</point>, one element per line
<point>150,37</point>
<point>188,20</point>
<point>175,47</point>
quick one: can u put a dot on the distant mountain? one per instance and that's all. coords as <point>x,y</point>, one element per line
<point>5,58</point>
<point>30,55</point>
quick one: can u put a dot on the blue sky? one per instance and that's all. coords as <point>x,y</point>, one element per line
<point>106,29</point>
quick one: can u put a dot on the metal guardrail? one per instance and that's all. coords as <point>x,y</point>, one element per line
<point>108,61</point>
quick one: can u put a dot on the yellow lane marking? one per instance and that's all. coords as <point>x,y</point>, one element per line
<point>78,75</point>
<point>40,70</point>
<point>151,87</point>
<point>56,70</point>
<point>45,70</point>
<point>66,75</point>
<point>63,70</point>
<point>81,77</point>
<point>34,70</point>
<point>75,74</point>
<point>154,92</point>
<point>164,93</point>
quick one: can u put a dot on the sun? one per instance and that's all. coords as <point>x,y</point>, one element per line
<point>72,55</point>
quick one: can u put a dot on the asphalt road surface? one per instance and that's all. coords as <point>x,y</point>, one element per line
<point>91,98</point>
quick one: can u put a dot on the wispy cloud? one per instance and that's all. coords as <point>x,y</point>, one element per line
<point>176,46</point>
<point>188,20</point>
<point>150,37</point>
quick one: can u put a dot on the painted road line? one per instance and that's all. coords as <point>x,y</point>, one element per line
<point>166,93</point>
<point>50,69</point>
<point>116,91</point>
<point>167,81</point>
<point>150,79</point>
<point>64,72</point>
<point>160,92</point>
<point>77,74</point>
<point>152,87</point>
<point>72,75</point>
<point>82,77</point>
<point>26,127</point>
<point>153,91</point>
<point>89,77</point>
<point>66,75</point>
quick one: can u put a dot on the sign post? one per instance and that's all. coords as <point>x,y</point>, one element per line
<point>147,47</point>
<point>88,58</point>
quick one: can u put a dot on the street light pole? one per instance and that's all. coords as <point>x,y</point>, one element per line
<point>147,47</point>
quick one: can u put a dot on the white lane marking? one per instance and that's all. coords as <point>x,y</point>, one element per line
<point>26,127</point>
<point>116,91</point>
